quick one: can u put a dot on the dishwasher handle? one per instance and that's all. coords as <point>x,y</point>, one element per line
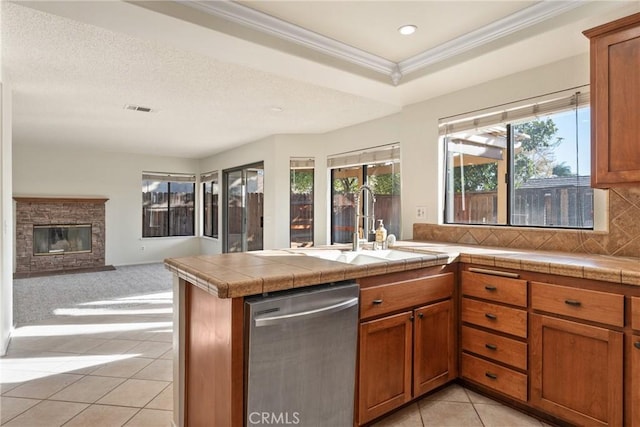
<point>275,320</point>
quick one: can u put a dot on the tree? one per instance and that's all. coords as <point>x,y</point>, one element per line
<point>533,158</point>
<point>483,177</point>
<point>388,183</point>
<point>301,181</point>
<point>562,169</point>
<point>345,185</point>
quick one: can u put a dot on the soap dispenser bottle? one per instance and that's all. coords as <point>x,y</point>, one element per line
<point>381,236</point>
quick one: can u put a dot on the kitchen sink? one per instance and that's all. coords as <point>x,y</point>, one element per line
<point>362,257</point>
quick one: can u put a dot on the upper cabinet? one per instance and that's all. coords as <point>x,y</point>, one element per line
<point>615,102</point>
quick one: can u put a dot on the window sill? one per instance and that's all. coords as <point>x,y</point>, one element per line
<point>166,238</point>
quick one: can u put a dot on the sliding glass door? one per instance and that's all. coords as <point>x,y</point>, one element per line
<point>244,200</point>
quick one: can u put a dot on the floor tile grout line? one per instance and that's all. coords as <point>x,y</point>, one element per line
<point>94,404</point>
<point>158,394</point>
<point>48,396</point>
<point>90,403</point>
<point>27,409</point>
<point>473,405</point>
<point>420,412</point>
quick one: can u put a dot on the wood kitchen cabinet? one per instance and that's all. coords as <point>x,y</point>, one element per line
<point>434,352</point>
<point>615,102</point>
<point>632,367</point>
<point>385,364</point>
<point>577,368</point>
<point>494,332</point>
<point>633,380</point>
<point>405,354</point>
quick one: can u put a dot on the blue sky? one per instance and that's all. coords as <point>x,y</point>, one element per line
<point>566,151</point>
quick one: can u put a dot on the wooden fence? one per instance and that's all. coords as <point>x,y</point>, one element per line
<point>548,207</point>
<point>387,208</point>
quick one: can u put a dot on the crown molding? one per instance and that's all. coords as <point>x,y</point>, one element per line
<point>513,23</point>
<point>245,16</point>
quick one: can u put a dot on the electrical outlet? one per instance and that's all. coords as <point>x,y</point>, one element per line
<point>142,248</point>
<point>421,212</point>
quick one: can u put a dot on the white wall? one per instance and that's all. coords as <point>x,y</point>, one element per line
<point>6,220</point>
<point>259,151</point>
<point>421,154</point>
<point>416,128</point>
<point>47,171</point>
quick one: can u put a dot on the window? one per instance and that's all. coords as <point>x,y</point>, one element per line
<point>378,167</point>
<point>521,165</point>
<point>301,202</point>
<point>167,204</point>
<point>210,192</point>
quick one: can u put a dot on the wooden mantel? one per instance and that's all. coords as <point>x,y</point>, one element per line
<point>64,199</point>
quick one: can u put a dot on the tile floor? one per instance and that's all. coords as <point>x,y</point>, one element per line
<point>109,367</point>
<point>458,407</point>
<point>112,366</point>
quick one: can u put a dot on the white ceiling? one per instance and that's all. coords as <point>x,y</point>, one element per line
<point>213,83</point>
<point>373,25</point>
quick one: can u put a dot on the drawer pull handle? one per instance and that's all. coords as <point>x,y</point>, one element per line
<point>376,302</point>
<point>573,302</point>
<point>491,346</point>
<point>490,288</point>
<point>490,316</point>
<point>490,375</point>
<point>637,344</point>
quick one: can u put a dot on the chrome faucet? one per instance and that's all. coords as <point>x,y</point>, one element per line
<point>368,216</point>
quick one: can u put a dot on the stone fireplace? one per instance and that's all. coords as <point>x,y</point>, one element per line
<point>59,234</point>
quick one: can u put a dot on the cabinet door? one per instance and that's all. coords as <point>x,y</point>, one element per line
<point>615,101</point>
<point>384,365</point>
<point>434,359</point>
<point>633,377</point>
<point>576,371</point>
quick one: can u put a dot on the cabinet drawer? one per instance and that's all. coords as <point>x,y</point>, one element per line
<point>602,307</point>
<point>635,313</point>
<point>502,349</point>
<point>495,288</point>
<point>396,296</point>
<point>499,378</point>
<point>504,319</point>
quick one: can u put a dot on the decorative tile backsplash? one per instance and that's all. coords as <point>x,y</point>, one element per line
<point>622,239</point>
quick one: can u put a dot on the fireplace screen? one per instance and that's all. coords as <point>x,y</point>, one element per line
<point>61,239</point>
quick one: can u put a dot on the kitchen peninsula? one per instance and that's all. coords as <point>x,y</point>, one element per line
<point>466,291</point>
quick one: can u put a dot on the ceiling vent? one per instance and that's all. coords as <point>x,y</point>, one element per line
<point>138,108</point>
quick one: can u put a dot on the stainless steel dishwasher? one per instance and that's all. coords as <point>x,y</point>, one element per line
<point>301,356</point>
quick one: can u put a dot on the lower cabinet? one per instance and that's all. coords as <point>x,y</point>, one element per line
<point>576,371</point>
<point>434,349</point>
<point>494,332</point>
<point>385,365</point>
<point>404,355</point>
<point>633,379</point>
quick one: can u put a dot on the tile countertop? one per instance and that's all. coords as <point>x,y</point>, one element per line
<point>251,273</point>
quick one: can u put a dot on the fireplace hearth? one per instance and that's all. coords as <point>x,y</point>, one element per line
<point>59,234</point>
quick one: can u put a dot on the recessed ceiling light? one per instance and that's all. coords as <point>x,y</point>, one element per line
<point>406,30</point>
